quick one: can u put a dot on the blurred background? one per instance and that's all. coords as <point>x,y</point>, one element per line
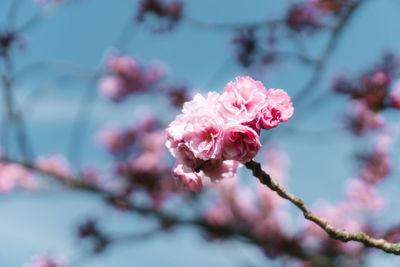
<point>59,55</point>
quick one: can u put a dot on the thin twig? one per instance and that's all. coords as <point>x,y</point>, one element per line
<point>321,63</point>
<point>230,26</point>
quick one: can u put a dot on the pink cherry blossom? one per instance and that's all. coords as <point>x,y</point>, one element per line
<point>152,153</point>
<point>197,132</point>
<point>12,175</point>
<point>277,108</point>
<point>394,97</point>
<point>365,194</point>
<point>242,99</point>
<point>214,134</point>
<point>112,87</point>
<point>125,76</point>
<point>191,180</point>
<point>362,119</point>
<point>220,214</point>
<point>240,143</point>
<point>122,65</point>
<point>55,164</point>
<point>115,140</point>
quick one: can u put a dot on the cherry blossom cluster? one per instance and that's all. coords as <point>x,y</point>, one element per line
<point>126,76</point>
<point>214,134</point>
<point>361,120</point>
<point>139,152</point>
<point>375,87</point>
<point>372,92</point>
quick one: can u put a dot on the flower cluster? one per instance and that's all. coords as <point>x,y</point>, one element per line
<point>361,120</point>
<point>125,76</point>
<point>140,152</point>
<point>374,91</point>
<point>373,87</point>
<point>218,132</point>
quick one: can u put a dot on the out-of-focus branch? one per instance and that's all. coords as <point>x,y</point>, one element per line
<point>12,13</point>
<point>230,26</point>
<point>323,59</point>
<point>13,116</point>
<point>335,233</point>
<point>166,220</point>
<point>84,113</point>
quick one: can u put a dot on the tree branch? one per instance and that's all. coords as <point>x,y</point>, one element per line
<point>335,233</point>
<point>320,65</point>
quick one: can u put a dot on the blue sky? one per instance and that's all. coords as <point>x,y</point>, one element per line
<point>80,33</point>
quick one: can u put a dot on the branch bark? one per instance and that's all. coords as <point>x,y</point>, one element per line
<point>335,233</point>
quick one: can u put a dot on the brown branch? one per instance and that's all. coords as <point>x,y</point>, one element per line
<point>335,233</point>
<point>321,63</point>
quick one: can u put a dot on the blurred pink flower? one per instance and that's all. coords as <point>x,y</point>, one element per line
<point>364,194</point>
<point>12,175</point>
<point>55,164</point>
<point>112,87</point>
<point>115,140</point>
<point>126,77</point>
<point>362,120</point>
<point>191,180</point>
<point>376,166</point>
<point>394,97</point>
